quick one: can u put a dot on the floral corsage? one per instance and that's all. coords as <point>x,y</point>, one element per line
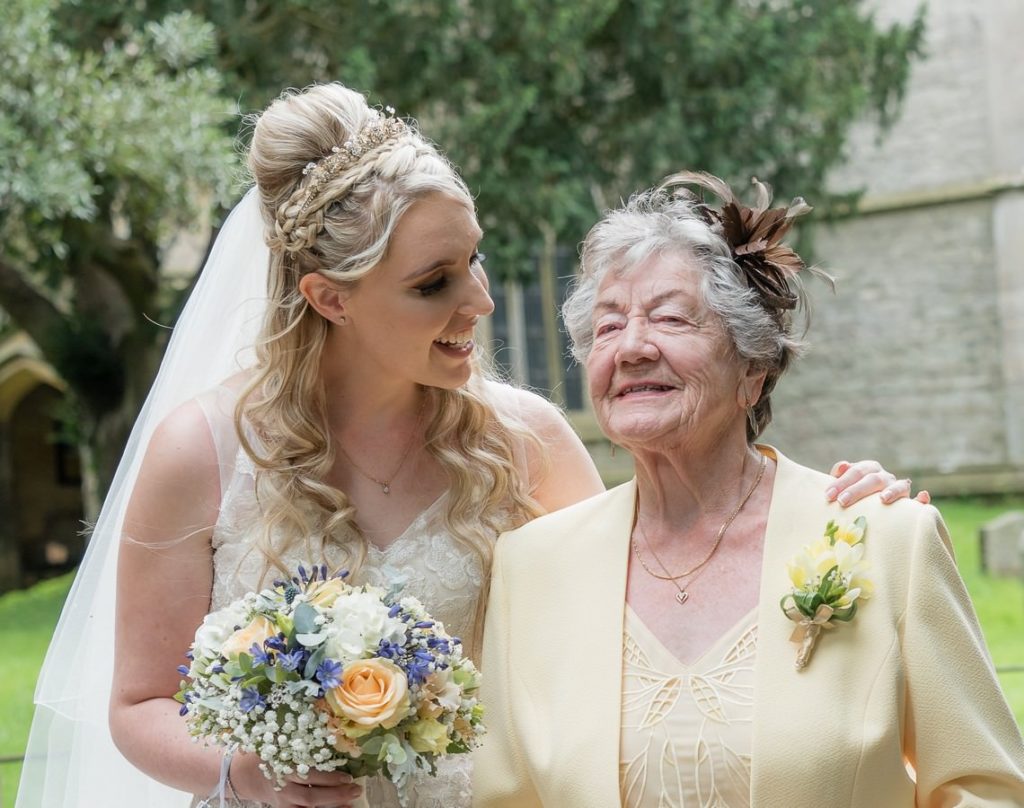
<point>829,577</point>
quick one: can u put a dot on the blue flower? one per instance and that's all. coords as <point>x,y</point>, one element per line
<point>251,699</point>
<point>276,643</point>
<point>183,670</point>
<point>419,666</point>
<point>394,610</point>
<point>424,624</point>
<point>291,660</point>
<point>390,650</point>
<point>259,656</point>
<point>328,674</point>
<point>440,644</point>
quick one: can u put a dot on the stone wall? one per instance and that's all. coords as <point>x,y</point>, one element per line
<point>918,359</point>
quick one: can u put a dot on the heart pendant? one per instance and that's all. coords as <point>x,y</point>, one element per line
<point>681,597</point>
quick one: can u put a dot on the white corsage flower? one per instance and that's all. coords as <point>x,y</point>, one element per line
<point>829,579</point>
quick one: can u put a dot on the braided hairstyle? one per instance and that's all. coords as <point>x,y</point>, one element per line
<point>335,216</point>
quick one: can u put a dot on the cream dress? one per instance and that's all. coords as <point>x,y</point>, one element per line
<point>686,729</point>
<point>426,558</point>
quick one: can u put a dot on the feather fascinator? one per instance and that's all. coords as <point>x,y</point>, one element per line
<point>754,234</point>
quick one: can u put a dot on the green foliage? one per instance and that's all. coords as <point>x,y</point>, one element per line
<point>130,129</point>
<point>554,110</point>
<point>106,147</point>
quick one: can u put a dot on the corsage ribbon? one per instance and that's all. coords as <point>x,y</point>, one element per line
<point>807,630</point>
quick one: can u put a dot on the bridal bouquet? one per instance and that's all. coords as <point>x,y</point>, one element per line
<point>315,673</point>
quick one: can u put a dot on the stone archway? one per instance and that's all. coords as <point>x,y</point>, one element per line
<point>40,492</point>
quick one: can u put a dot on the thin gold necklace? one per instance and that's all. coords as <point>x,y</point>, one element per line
<point>681,595</point>
<point>385,485</point>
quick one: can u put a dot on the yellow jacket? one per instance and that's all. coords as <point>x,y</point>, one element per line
<point>909,679</point>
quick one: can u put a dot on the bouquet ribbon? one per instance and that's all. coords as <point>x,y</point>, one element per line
<point>807,630</point>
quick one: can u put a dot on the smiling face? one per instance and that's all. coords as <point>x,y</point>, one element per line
<point>412,317</point>
<point>662,371</point>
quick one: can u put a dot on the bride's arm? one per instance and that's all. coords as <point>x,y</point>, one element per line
<point>164,582</point>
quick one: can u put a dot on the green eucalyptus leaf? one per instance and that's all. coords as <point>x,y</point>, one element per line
<point>305,619</point>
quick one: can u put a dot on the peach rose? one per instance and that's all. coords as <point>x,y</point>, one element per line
<point>372,693</point>
<point>327,592</point>
<point>261,628</point>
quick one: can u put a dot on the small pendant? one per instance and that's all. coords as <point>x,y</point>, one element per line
<point>385,488</point>
<point>681,597</point>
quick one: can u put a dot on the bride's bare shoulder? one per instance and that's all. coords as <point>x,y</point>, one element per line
<point>198,430</point>
<point>532,411</point>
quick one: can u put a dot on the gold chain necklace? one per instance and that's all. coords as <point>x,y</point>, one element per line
<point>385,485</point>
<point>681,595</point>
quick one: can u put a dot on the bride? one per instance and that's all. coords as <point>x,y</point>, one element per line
<point>321,404</point>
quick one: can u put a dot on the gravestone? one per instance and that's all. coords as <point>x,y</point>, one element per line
<point>1002,540</point>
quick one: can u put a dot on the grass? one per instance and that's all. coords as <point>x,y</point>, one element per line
<point>998,601</point>
<point>27,619</point>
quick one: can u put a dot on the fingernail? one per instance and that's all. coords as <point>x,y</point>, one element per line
<point>845,498</point>
<point>830,493</point>
<point>887,496</point>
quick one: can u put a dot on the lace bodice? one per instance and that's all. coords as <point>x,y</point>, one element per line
<point>425,558</point>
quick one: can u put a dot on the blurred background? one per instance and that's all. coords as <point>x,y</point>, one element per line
<point>901,121</point>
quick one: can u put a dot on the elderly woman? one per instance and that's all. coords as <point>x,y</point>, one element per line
<point>715,633</point>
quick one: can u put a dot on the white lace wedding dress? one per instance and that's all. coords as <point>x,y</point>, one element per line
<point>425,558</point>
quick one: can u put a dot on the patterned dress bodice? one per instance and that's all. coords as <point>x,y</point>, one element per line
<point>425,558</point>
<point>687,730</point>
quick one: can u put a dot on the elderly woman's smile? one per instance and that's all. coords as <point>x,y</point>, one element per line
<point>660,360</point>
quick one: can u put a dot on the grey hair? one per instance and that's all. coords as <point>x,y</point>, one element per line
<point>656,222</point>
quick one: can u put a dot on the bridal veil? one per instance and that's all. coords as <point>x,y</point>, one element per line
<point>71,760</point>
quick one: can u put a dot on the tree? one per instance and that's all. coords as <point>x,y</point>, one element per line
<point>555,109</point>
<point>102,153</point>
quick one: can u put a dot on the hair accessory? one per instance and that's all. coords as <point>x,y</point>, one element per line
<point>754,235</point>
<point>384,128</point>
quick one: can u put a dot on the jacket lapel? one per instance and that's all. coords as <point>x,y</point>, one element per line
<point>795,712</point>
<point>598,596</point>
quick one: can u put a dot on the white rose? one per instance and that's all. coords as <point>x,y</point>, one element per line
<point>360,622</point>
<point>216,628</point>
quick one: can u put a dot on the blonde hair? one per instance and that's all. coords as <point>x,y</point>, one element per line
<point>342,231</point>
